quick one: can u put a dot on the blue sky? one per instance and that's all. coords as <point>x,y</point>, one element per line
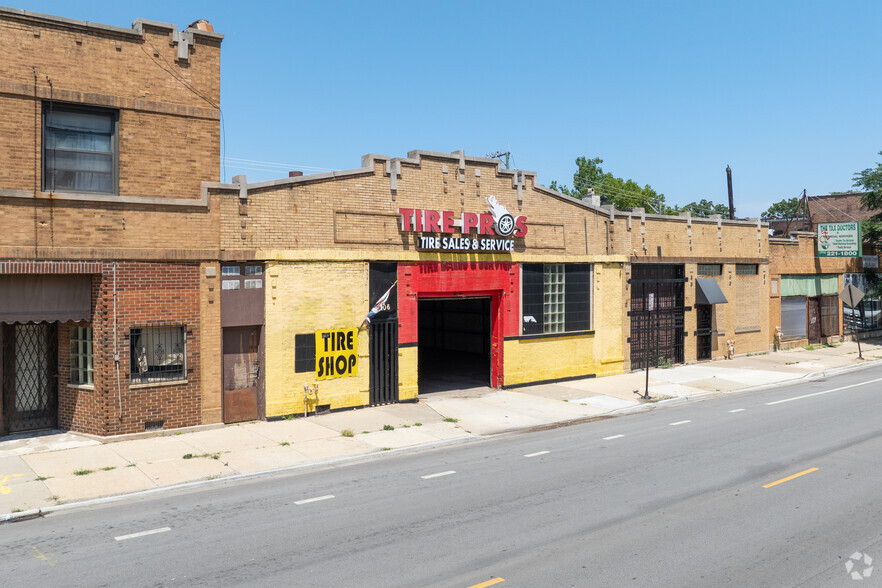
<point>667,93</point>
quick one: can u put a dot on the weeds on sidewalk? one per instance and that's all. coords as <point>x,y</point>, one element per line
<point>388,428</point>
<point>451,420</point>
<point>211,455</point>
<point>347,433</point>
<point>82,472</point>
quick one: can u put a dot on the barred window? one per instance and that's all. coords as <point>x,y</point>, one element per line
<point>710,269</point>
<point>157,354</point>
<point>81,372</point>
<point>556,298</point>
<point>746,269</point>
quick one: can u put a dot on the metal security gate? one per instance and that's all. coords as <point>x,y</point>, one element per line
<point>30,376</point>
<point>384,361</point>
<point>814,320</point>
<point>657,311</point>
<point>704,326</point>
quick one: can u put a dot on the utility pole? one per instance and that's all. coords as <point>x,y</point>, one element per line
<point>498,154</point>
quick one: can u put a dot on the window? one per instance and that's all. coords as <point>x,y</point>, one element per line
<point>81,356</point>
<point>229,284</point>
<point>230,270</point>
<point>556,298</point>
<point>710,269</point>
<point>746,269</point>
<point>253,284</point>
<point>157,354</point>
<point>867,314</point>
<point>793,318</point>
<point>253,270</point>
<point>79,149</point>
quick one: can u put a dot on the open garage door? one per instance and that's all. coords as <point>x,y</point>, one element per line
<point>454,343</point>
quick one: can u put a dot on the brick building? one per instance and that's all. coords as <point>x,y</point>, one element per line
<point>107,316</point>
<point>477,300</point>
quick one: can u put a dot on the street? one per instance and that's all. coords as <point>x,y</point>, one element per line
<point>775,487</point>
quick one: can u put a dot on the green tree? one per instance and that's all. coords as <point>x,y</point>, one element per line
<point>623,194</point>
<point>869,182</point>
<point>701,209</point>
<point>781,210</point>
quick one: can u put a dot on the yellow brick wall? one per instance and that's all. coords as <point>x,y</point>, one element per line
<point>304,298</point>
<point>210,344</point>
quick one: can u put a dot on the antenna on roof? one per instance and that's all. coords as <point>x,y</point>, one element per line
<point>499,154</point>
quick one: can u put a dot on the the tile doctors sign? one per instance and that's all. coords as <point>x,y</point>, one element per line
<point>493,231</point>
<point>839,239</point>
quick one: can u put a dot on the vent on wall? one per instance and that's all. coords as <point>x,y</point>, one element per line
<point>154,425</point>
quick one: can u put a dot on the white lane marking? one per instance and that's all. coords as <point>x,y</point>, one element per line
<point>824,392</point>
<point>316,499</point>
<point>438,475</point>
<point>142,533</point>
<point>537,453</point>
<point>679,423</point>
<point>738,410</point>
<point>613,437</point>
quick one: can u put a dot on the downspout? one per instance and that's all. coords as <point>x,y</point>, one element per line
<point>116,346</point>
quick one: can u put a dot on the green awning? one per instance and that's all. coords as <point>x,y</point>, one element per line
<point>815,285</point>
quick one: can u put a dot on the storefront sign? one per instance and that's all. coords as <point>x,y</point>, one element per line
<point>839,239</point>
<point>336,353</point>
<point>497,222</point>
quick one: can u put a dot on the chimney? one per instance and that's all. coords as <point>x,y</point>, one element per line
<point>731,198</point>
<point>201,25</point>
<point>295,174</point>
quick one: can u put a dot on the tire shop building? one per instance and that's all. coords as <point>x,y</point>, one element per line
<point>492,280</point>
<point>106,135</point>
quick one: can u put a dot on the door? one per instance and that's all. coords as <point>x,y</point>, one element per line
<point>383,342</point>
<point>30,376</point>
<point>242,374</point>
<point>657,311</point>
<point>704,320</point>
<point>814,320</point>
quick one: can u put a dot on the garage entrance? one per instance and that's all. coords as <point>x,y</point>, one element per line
<point>454,343</point>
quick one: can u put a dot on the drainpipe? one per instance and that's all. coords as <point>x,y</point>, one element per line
<point>116,346</point>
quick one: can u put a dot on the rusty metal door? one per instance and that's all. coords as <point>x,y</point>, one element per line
<point>814,320</point>
<point>30,376</point>
<point>242,374</point>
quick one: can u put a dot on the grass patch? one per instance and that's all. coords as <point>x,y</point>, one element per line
<point>41,478</point>
<point>451,420</point>
<point>418,424</point>
<point>388,428</point>
<point>131,465</point>
<point>108,468</point>
<point>387,449</point>
<point>406,426</point>
<point>347,433</point>
<point>82,472</point>
<point>14,510</point>
<point>365,432</point>
<point>284,444</point>
<point>211,455</point>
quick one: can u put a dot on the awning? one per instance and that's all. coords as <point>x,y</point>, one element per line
<point>35,298</point>
<point>707,291</point>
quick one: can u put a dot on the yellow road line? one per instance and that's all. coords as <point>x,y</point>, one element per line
<point>788,478</point>
<point>488,583</point>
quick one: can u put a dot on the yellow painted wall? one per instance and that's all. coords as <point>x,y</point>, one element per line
<point>305,297</point>
<point>602,354</point>
<point>407,373</point>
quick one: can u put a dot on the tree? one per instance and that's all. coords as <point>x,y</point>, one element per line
<point>781,210</point>
<point>623,194</point>
<point>870,182</point>
<point>701,209</point>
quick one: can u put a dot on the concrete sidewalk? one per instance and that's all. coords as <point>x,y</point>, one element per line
<point>41,471</point>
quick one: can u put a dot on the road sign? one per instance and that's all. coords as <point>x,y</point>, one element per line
<point>851,295</point>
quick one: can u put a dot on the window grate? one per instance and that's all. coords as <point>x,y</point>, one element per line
<point>157,354</point>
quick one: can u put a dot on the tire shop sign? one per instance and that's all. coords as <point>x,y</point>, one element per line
<point>336,353</point>
<point>490,232</point>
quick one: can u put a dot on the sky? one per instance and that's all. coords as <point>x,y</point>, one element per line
<point>787,93</point>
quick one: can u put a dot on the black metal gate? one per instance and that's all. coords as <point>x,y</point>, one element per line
<point>703,328</point>
<point>30,376</point>
<point>384,361</point>
<point>656,334</point>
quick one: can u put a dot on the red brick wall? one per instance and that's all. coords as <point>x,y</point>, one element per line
<point>148,294</point>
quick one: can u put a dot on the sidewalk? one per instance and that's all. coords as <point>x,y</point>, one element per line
<point>43,471</point>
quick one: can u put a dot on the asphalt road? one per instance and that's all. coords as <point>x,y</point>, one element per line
<point>672,497</point>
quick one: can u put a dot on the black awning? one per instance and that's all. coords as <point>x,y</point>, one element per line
<point>34,298</point>
<point>707,291</point>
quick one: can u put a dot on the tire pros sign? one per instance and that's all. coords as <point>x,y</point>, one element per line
<point>336,353</point>
<point>498,221</point>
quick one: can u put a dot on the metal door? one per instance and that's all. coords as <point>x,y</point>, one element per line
<point>814,320</point>
<point>657,334</point>
<point>30,376</point>
<point>383,342</point>
<point>241,373</point>
<point>704,318</point>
